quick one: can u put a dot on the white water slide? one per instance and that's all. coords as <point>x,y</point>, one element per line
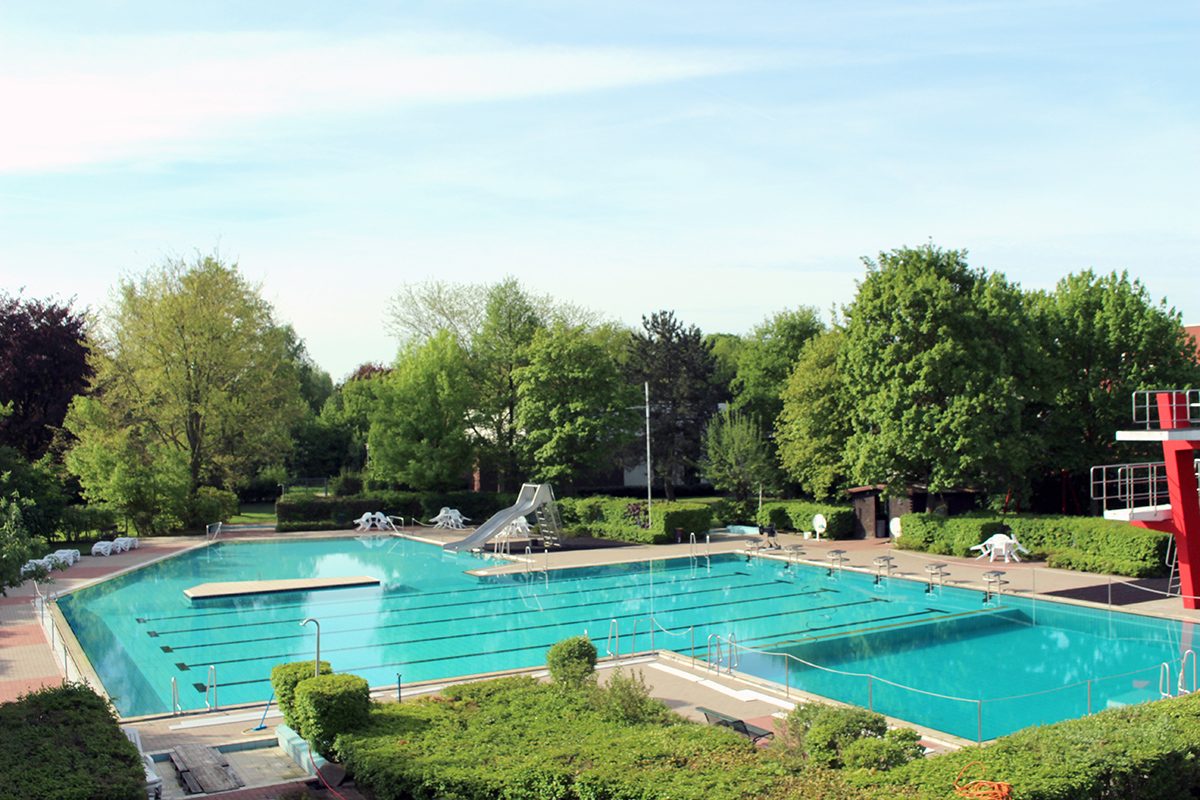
<point>532,497</point>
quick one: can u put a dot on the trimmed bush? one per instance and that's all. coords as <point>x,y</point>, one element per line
<point>797,515</point>
<point>211,505</point>
<point>63,742</point>
<point>327,705</point>
<point>1083,543</point>
<point>285,678</point>
<point>572,661</point>
<point>624,519</point>
<point>820,733</point>
<point>1149,752</point>
<point>300,511</point>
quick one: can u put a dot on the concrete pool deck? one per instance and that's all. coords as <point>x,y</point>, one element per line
<point>29,658</point>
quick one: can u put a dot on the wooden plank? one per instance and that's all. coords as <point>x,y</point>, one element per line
<point>235,588</point>
<point>207,766</point>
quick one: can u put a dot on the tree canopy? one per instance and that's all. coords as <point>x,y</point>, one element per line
<point>43,365</point>
<point>767,358</point>
<point>190,368</point>
<point>812,429</point>
<point>736,456</point>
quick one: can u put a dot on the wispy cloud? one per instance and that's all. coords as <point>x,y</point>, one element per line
<point>99,100</point>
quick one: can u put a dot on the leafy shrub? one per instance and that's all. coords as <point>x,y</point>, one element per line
<point>897,747</point>
<point>78,522</point>
<point>819,733</point>
<point>1083,543</point>
<point>626,699</point>
<point>346,484</point>
<point>797,515</point>
<point>302,511</point>
<point>211,504</point>
<point>1149,752</point>
<point>624,519</point>
<point>63,742</point>
<point>285,678</point>
<point>516,738</point>
<point>327,705</point>
<point>572,661</point>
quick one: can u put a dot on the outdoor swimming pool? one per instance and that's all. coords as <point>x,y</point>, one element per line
<point>942,659</point>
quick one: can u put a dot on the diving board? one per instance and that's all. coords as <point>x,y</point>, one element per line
<point>235,588</point>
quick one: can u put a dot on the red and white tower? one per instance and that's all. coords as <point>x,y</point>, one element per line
<point>1161,495</point>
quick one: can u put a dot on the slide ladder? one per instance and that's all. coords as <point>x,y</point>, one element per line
<point>531,500</point>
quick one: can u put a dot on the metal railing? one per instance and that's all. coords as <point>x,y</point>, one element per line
<point>58,642</point>
<point>1126,486</point>
<point>1145,406</point>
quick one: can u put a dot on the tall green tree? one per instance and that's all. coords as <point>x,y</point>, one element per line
<point>767,358</point>
<point>16,542</point>
<point>736,456</point>
<point>812,429</point>
<point>418,435</point>
<point>941,365</point>
<point>573,403</point>
<point>189,364</point>
<point>1107,338</point>
<point>679,366</point>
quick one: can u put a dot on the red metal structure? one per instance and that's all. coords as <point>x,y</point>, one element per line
<point>1161,495</point>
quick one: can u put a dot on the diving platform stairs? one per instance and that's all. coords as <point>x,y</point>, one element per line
<point>1161,495</point>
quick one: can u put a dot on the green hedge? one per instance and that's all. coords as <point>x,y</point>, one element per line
<point>63,742</point>
<point>326,705</point>
<point>622,518</point>
<point>1148,752</point>
<point>284,680</point>
<point>1083,543</point>
<point>518,739</point>
<point>300,511</point>
<point>797,515</point>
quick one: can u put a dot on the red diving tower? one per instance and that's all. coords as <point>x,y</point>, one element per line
<point>1161,495</point>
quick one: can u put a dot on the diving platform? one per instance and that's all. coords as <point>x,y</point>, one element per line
<point>1172,435</point>
<point>206,591</point>
<point>1139,514</point>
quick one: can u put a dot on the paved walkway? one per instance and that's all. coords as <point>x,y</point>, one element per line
<point>32,655</point>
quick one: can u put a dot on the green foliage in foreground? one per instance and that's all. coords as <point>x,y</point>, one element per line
<point>517,739</point>
<point>1083,543</point>
<point>326,705</point>
<point>1148,752</point>
<point>572,661</point>
<point>63,742</point>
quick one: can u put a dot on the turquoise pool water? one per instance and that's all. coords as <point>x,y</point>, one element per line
<point>958,662</point>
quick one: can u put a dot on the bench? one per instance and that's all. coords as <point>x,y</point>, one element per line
<point>751,732</point>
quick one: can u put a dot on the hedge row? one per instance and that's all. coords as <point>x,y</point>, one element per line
<point>63,742</point>
<point>299,511</point>
<point>624,519</point>
<point>1083,543</point>
<point>518,739</point>
<point>797,515</point>
<point>1148,752</point>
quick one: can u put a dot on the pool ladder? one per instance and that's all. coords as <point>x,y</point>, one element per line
<point>719,647</point>
<point>694,546</point>
<point>210,689</point>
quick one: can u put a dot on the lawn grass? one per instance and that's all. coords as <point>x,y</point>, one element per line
<point>254,514</point>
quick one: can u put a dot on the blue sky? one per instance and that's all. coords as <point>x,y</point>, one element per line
<point>723,160</point>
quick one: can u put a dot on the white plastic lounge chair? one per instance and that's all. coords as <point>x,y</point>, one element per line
<point>102,549</point>
<point>518,528</point>
<point>819,526</point>
<point>35,564</point>
<point>122,544</point>
<point>380,522</point>
<point>57,562</point>
<point>72,556</point>
<point>999,544</point>
<point>365,522</point>
<point>449,518</point>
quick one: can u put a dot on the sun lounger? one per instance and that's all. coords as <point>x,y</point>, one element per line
<point>122,544</point>
<point>102,549</point>
<point>57,562</point>
<point>72,556</point>
<point>751,732</point>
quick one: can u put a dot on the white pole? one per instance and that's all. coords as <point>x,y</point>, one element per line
<point>649,496</point>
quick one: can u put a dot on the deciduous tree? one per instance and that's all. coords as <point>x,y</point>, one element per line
<point>736,456</point>
<point>812,429</point>
<point>418,433</point>
<point>767,358</point>
<point>43,365</point>
<point>190,363</point>
<point>573,403</point>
